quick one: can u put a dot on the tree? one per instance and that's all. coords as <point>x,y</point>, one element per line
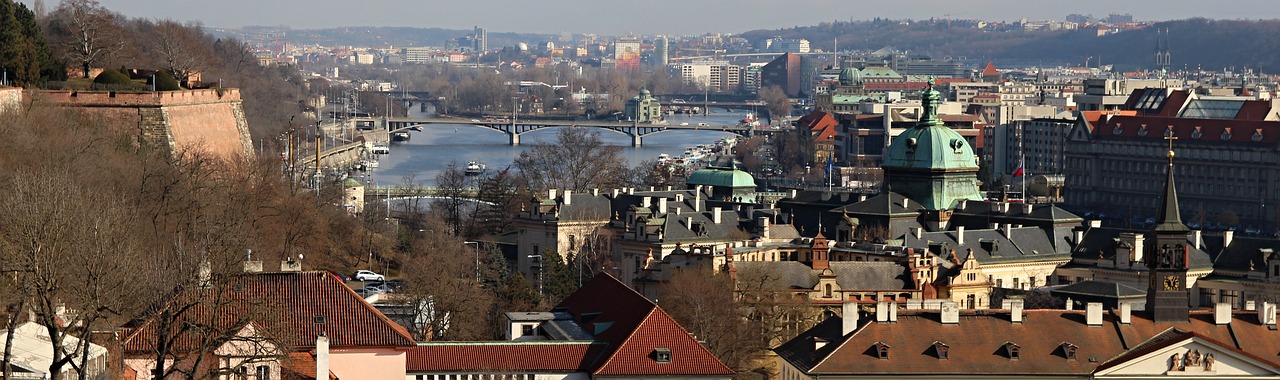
<point>181,48</point>
<point>577,160</point>
<point>778,313</point>
<point>24,55</point>
<point>87,32</point>
<point>704,303</point>
<point>558,278</point>
<point>443,284</point>
<point>779,105</point>
<point>452,186</point>
<point>502,199</point>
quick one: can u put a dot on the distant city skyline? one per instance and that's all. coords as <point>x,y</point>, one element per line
<point>648,17</point>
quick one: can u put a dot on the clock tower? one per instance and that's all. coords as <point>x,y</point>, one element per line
<point>1168,259</point>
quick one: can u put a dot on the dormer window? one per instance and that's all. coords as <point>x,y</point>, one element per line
<point>1011,350</point>
<point>1226,134</point>
<point>1257,135</point>
<point>1117,130</point>
<point>882,350</point>
<point>1143,131</point>
<point>1198,133</point>
<point>941,349</point>
<point>662,355</point>
<point>1068,350</point>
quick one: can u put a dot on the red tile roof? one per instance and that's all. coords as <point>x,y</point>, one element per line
<point>990,70</point>
<point>635,327</point>
<point>977,343</point>
<point>535,356</point>
<point>287,306</point>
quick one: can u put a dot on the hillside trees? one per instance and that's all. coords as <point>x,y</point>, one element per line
<point>86,32</point>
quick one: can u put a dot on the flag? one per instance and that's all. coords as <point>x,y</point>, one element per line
<point>1018,172</point>
<point>830,163</point>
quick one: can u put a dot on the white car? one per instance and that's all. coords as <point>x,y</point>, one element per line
<point>368,275</point>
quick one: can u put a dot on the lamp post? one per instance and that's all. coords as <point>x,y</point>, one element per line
<point>475,254</point>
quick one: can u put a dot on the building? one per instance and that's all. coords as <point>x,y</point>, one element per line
<point>286,324</point>
<point>560,222</point>
<point>605,330</point>
<point>32,354</point>
<point>661,52</point>
<point>1230,170</point>
<point>417,55</point>
<point>785,73</point>
<point>626,54</point>
<point>644,108</point>
<point>479,39</point>
<point>712,75</point>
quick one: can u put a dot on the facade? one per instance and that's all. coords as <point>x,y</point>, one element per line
<point>713,75</point>
<point>480,39</point>
<point>661,52</point>
<point>417,55</point>
<point>932,164</point>
<point>1229,176</point>
<point>626,54</point>
<point>644,108</point>
<point>560,223</point>
<point>605,330</point>
<point>783,72</point>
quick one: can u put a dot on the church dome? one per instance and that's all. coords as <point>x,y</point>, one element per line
<point>721,178</point>
<point>850,76</point>
<point>931,145</point>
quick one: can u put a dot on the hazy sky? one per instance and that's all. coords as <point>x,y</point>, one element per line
<point>677,17</point>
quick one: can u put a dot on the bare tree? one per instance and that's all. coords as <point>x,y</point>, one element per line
<point>577,160</point>
<point>444,286</point>
<point>704,303</point>
<point>181,48</point>
<point>87,32</point>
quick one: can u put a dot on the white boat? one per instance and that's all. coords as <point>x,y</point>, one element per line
<point>399,136</point>
<point>475,168</point>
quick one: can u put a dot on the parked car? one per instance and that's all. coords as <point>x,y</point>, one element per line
<point>368,275</point>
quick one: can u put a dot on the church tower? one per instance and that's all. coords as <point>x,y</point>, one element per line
<point>932,164</point>
<point>1167,259</point>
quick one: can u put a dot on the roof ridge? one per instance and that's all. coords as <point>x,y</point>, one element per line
<point>396,327</point>
<point>617,347</point>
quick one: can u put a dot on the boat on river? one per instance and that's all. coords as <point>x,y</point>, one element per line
<point>474,168</point>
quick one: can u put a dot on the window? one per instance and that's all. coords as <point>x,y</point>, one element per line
<point>1012,349</point>
<point>882,350</point>
<point>527,330</point>
<point>263,372</point>
<point>1206,296</point>
<point>826,290</point>
<point>1069,350</point>
<point>662,355</point>
<point>941,349</point>
<point>1230,296</point>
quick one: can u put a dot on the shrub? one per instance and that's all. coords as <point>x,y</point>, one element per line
<point>112,77</point>
<point>165,81</point>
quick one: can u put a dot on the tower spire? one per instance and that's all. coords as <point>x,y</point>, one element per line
<point>1169,218</point>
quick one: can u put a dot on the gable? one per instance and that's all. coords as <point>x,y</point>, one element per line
<point>1226,362</point>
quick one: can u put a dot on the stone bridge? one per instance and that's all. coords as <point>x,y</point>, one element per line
<point>514,128</point>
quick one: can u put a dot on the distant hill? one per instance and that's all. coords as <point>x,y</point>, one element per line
<point>368,36</point>
<point>1213,44</point>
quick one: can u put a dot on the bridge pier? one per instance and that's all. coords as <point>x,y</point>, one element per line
<point>636,140</point>
<point>514,138</point>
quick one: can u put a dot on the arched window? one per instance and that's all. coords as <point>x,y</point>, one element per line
<point>826,290</point>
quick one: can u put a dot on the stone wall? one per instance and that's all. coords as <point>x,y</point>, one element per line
<point>210,121</point>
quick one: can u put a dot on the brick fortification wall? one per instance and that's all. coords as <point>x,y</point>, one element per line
<point>210,121</point>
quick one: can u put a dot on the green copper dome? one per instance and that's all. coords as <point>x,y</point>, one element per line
<point>850,76</point>
<point>351,182</point>
<point>931,163</point>
<point>721,178</point>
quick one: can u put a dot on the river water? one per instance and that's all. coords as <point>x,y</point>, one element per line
<point>429,152</point>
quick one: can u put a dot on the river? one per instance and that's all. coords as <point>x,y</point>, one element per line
<point>429,152</point>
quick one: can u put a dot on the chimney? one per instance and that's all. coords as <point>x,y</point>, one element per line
<point>710,190</point>
<point>914,304</point>
<point>1221,313</point>
<point>322,356</point>
<point>793,194</point>
<point>679,197</point>
<point>290,265</point>
<point>662,205</point>
<point>1093,314</point>
<point>1196,239</point>
<point>631,191</point>
<point>1070,304</point>
<point>551,194</point>
<point>206,274</point>
<point>960,235</point>
<point>1139,247</point>
<point>764,227</point>
<point>677,210</point>
<point>568,197</point>
<point>1126,313</point>
<point>1095,224</point>
<point>919,232</point>
<point>251,266</point>
<point>615,193</point>
<point>893,312</point>
<point>715,215</point>
<point>1079,236</point>
<point>668,187</point>
<point>651,188</point>
<point>950,313</point>
<point>1015,310</point>
<point>904,202</point>
<point>1227,236</point>
<point>595,192</point>
<point>848,318</point>
<point>688,222</point>
<point>1250,305</point>
<point>1008,229</point>
<point>862,197</point>
<point>1267,314</point>
<point>882,312</point>
<point>697,201</point>
<point>645,202</point>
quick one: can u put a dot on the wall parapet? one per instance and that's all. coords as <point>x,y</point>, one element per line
<point>135,99</point>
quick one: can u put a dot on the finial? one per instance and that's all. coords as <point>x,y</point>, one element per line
<point>930,82</point>
<point>1170,137</point>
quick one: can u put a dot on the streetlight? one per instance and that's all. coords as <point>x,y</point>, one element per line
<point>475,254</point>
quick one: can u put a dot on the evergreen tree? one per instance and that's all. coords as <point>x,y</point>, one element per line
<point>558,279</point>
<point>24,55</point>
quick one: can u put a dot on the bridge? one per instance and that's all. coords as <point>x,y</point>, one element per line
<point>514,128</point>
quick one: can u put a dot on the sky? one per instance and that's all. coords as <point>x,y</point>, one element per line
<point>649,17</point>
